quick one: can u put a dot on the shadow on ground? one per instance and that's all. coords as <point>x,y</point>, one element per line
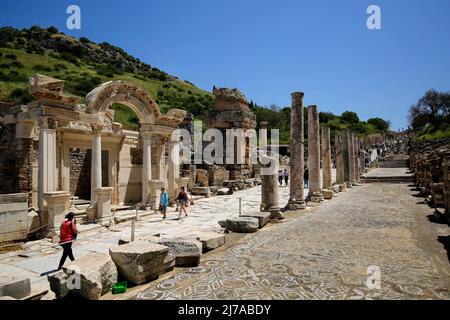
<point>445,240</point>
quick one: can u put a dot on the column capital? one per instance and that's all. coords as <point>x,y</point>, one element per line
<point>147,135</point>
<point>96,128</point>
<point>47,122</point>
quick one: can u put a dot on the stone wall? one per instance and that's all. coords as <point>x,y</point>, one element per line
<point>202,179</point>
<point>217,175</point>
<point>27,153</point>
<point>14,222</point>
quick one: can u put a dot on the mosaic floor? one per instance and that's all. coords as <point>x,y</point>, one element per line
<point>325,254</point>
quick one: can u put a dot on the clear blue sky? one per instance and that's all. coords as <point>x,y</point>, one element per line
<point>269,49</point>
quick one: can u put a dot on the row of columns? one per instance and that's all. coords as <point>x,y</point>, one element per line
<point>348,168</point>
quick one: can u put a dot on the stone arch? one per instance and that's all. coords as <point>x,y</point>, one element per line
<point>129,94</point>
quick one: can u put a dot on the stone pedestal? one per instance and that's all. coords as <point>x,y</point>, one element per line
<point>269,187</point>
<point>155,192</point>
<point>104,214</point>
<point>296,163</point>
<point>315,193</point>
<point>58,204</point>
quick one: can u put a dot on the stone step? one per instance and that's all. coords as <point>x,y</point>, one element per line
<point>82,207</point>
<point>398,179</point>
<point>130,215</point>
<point>77,202</point>
<point>120,208</point>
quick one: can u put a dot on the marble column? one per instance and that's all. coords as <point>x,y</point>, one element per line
<point>326,164</point>
<point>263,136</point>
<point>96,162</point>
<point>348,173</point>
<point>351,148</point>
<point>174,167</point>
<point>340,172</point>
<point>146,165</point>
<point>47,180</point>
<point>356,157</point>
<point>161,158</point>
<point>269,187</point>
<point>296,162</point>
<point>315,193</point>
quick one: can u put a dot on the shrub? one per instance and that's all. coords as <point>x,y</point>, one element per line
<point>52,29</point>
<point>11,56</point>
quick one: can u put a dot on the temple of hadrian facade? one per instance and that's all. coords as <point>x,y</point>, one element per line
<point>56,148</point>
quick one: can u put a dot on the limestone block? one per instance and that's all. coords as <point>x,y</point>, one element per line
<point>58,284</point>
<point>327,194</point>
<point>14,285</point>
<point>209,240</point>
<point>97,274</point>
<point>187,252</point>
<point>149,238</point>
<point>336,188</point>
<point>33,221</point>
<point>240,224</point>
<point>139,261</point>
<point>223,191</point>
<point>263,217</point>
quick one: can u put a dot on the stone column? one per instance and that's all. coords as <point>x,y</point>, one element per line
<point>356,157</point>
<point>326,164</point>
<point>348,173</point>
<point>340,180</point>
<point>351,148</point>
<point>315,193</point>
<point>263,136</point>
<point>161,158</point>
<point>47,180</point>
<point>96,163</point>
<point>146,166</point>
<point>269,187</point>
<point>296,162</point>
<point>174,167</point>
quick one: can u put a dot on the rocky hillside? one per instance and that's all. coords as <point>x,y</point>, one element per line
<point>84,64</point>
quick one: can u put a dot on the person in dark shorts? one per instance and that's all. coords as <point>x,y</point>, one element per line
<point>182,199</point>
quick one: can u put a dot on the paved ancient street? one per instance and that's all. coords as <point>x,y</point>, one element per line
<point>324,253</point>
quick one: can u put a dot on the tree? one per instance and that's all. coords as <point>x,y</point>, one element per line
<point>350,117</point>
<point>433,109</point>
<point>379,124</point>
<point>325,117</point>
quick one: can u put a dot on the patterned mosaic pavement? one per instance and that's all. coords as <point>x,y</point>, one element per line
<point>325,253</point>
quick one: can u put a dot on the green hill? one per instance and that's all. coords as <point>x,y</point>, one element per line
<point>84,64</point>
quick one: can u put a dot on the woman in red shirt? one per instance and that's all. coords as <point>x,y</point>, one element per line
<point>67,232</point>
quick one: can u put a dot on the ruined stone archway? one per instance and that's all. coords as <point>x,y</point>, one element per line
<point>129,94</point>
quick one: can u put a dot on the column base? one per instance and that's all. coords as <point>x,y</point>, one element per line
<point>316,197</point>
<point>296,205</point>
<point>275,213</point>
<point>327,194</point>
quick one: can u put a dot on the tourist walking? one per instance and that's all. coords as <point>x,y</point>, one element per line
<point>286,177</point>
<point>306,178</point>
<point>182,199</point>
<point>163,202</point>
<point>67,233</point>
<point>280,177</point>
